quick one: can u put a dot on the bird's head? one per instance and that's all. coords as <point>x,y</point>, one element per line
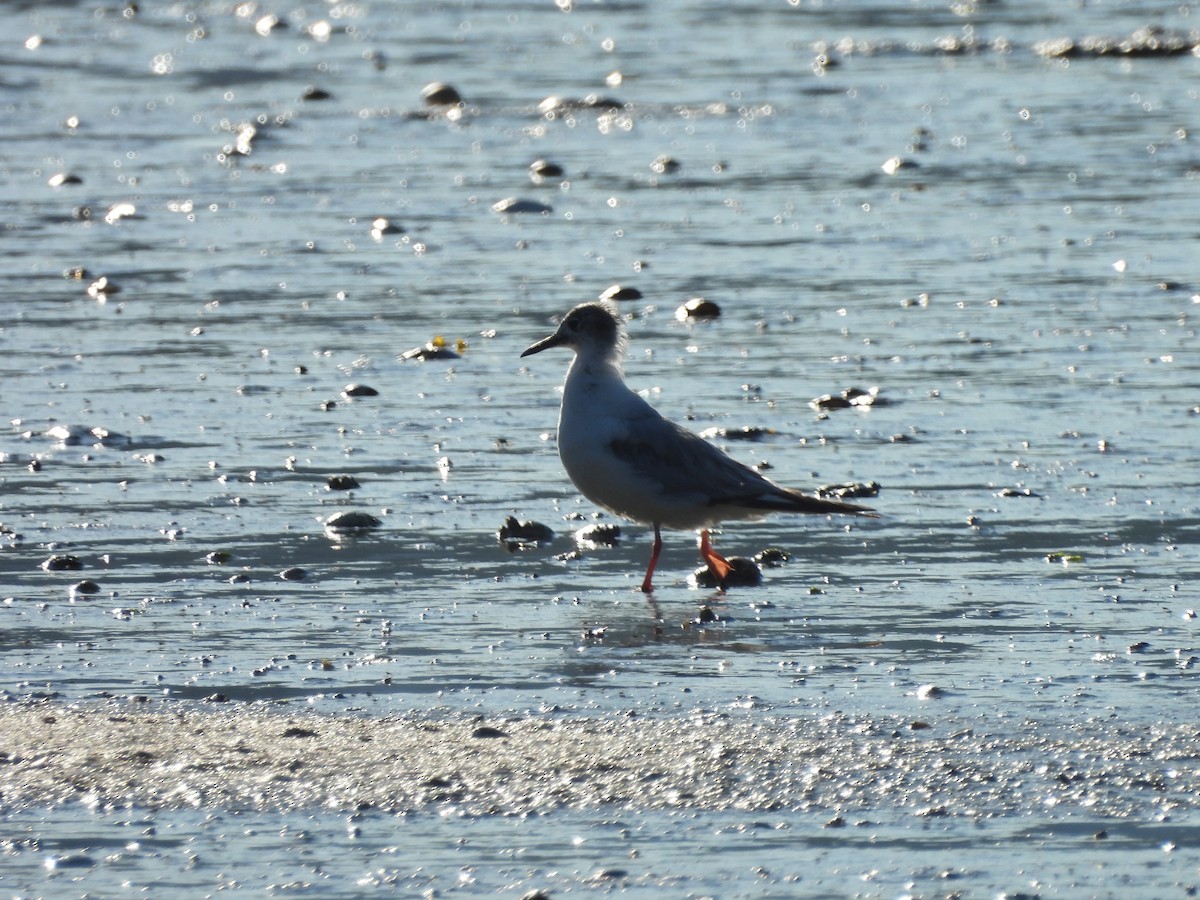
<point>592,330</point>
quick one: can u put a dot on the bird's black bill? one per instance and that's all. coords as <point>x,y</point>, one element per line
<point>544,344</point>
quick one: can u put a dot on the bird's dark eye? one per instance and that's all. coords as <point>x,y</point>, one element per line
<point>572,322</point>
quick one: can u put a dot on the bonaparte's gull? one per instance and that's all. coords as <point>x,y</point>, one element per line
<point>626,457</point>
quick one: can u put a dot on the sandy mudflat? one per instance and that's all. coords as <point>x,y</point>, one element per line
<point>250,758</point>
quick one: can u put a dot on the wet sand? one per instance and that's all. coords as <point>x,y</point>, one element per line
<point>242,757</point>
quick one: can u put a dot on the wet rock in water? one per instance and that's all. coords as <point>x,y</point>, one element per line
<point>487,732</point>
<point>101,288</point>
<point>541,170</point>
<point>218,558</point>
<point>514,205</point>
<point>697,308</point>
<point>119,211</point>
<point>239,578</point>
<point>894,164</point>
<point>555,106</point>
<point>60,179</point>
<point>359,390</point>
<point>744,573</point>
<point>351,522</point>
<point>312,93</point>
<point>850,397</point>
<point>601,534</point>
<point>62,562</point>
<point>1151,41</point>
<point>438,94</point>
<point>1016,492</point>
<point>744,433</point>
<point>706,616</point>
<point>435,349</point>
<point>85,587</point>
<point>99,436</point>
<point>341,483</point>
<point>665,165</point>
<point>381,226</point>
<point>930,692</point>
<point>849,489</point>
<point>520,535</point>
<point>620,292</point>
<point>771,558</point>
<point>293,573</point>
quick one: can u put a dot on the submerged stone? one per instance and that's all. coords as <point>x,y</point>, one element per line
<point>519,535</point>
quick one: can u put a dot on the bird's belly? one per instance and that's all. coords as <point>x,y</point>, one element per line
<point>621,488</point>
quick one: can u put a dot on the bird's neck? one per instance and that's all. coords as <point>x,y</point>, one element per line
<point>588,372</point>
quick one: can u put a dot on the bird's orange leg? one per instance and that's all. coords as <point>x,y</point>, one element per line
<point>647,587</point>
<point>717,564</point>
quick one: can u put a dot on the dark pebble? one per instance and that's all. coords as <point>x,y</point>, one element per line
<point>437,94</point>
<point>541,169</point>
<point>512,205</point>
<point>518,535</point>
<point>620,292</point>
<point>315,93</point>
<point>697,308</point>
<point>849,489</point>
<point>848,398</point>
<point>351,522</point>
<point>487,731</point>
<point>745,433</point>
<point>771,558</point>
<point>293,573</point>
<point>341,483</point>
<point>745,573</point>
<point>601,534</point>
<point>85,587</point>
<point>665,165</point>
<point>359,390</point>
<point>435,349</point>
<point>62,562</point>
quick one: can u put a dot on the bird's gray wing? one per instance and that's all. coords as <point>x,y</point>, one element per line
<point>678,462</point>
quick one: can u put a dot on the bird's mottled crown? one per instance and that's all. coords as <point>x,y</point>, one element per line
<point>593,323</point>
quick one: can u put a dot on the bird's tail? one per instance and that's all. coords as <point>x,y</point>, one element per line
<point>806,503</point>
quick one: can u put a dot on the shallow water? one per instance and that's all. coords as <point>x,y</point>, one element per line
<point>1022,294</point>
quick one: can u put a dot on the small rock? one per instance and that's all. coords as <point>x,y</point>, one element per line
<point>519,535</point>
<point>438,94</point>
<point>744,433</point>
<point>849,489</point>
<point>620,292</point>
<point>359,390</point>
<point>435,349</point>
<point>293,573</point>
<point>62,562</point>
<point>351,522</point>
<point>341,483</point>
<point>744,573</point>
<point>697,308</point>
<point>85,587</point>
<point>601,534</point>
<point>665,165</point>
<point>847,398</point>
<point>771,558</point>
<point>540,170</point>
<point>514,205</point>
<point>488,732</point>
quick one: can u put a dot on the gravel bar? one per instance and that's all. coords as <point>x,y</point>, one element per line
<point>248,757</point>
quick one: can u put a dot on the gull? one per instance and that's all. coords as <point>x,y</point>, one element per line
<point>624,456</point>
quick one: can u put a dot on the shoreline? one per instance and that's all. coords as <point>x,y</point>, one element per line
<point>245,757</point>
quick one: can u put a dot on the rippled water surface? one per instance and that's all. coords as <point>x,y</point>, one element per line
<point>1021,288</point>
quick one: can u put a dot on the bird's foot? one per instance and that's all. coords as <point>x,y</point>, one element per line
<point>718,566</point>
